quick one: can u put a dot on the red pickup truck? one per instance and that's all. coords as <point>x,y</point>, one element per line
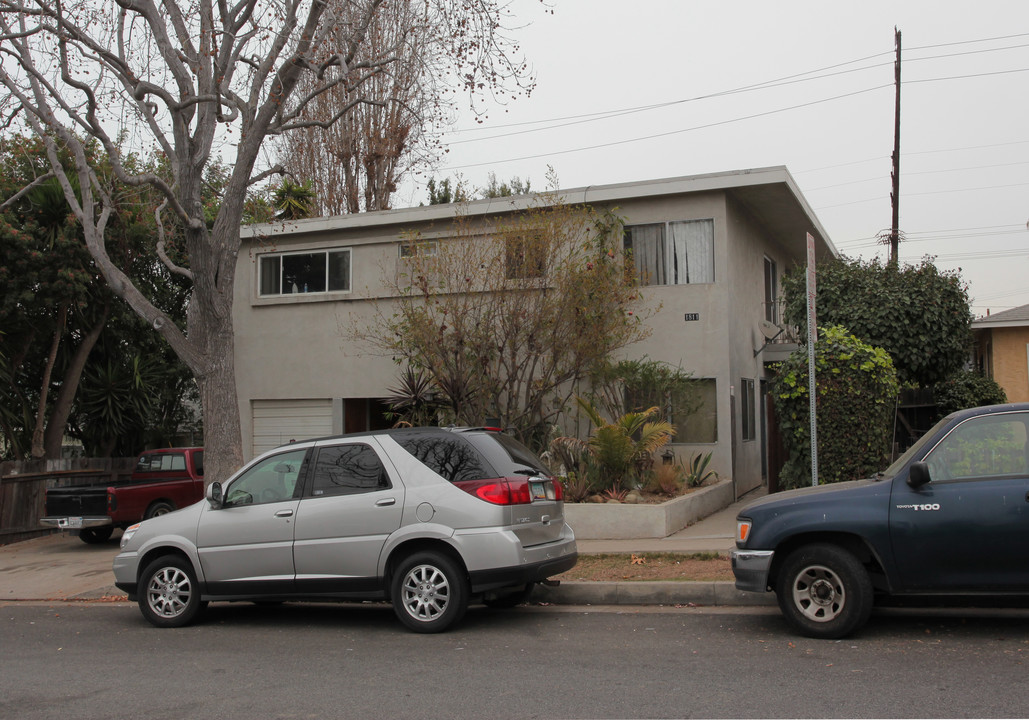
<point>164,480</point>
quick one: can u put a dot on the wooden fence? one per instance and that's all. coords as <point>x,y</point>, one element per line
<point>23,485</point>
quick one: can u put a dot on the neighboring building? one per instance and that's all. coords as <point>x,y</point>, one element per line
<point>714,247</point>
<point>1002,350</point>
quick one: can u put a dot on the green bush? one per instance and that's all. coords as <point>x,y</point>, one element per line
<point>967,389</point>
<point>917,313</point>
<point>856,402</point>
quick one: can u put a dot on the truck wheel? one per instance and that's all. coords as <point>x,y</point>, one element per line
<point>161,507</point>
<point>168,592</point>
<point>429,592</point>
<point>95,535</point>
<point>824,591</point>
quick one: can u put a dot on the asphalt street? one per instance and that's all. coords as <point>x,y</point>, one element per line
<point>101,660</point>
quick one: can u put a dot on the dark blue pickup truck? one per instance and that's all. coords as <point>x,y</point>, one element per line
<point>949,519</point>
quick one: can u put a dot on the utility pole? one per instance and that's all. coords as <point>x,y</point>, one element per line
<point>895,193</point>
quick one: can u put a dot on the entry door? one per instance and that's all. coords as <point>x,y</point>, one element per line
<point>968,529</point>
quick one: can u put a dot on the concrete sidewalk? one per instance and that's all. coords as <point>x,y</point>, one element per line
<point>62,567</point>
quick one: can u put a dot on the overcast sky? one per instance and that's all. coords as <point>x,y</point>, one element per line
<point>825,110</point>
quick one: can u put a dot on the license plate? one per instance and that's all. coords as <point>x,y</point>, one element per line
<point>72,522</point>
<point>539,490</point>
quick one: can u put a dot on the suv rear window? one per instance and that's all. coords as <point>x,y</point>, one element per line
<point>449,456</point>
<point>505,453</point>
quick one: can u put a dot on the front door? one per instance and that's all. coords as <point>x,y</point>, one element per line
<point>246,546</point>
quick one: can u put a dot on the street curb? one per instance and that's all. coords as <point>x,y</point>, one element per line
<point>649,593</point>
<point>580,592</point>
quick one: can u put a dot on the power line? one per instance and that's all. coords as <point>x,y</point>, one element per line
<point>921,194</point>
<point>911,154</point>
<point>919,172</point>
<point>566,121</point>
<point>671,132</point>
<point>918,236</point>
<point>604,114</point>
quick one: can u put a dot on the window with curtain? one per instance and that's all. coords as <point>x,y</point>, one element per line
<point>674,253</point>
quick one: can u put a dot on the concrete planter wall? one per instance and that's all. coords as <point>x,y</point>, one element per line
<point>617,521</point>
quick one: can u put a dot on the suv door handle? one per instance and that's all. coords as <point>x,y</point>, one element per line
<point>284,513</point>
<point>386,502</point>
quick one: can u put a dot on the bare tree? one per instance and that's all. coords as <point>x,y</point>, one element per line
<point>357,163</point>
<point>195,80</point>
<point>506,315</point>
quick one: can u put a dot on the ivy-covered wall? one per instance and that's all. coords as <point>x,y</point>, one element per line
<point>856,386</point>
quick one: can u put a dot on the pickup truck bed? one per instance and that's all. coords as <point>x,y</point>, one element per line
<point>164,480</point>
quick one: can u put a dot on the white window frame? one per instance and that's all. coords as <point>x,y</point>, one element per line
<point>300,291</point>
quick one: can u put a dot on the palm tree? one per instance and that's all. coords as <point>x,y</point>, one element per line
<point>294,201</point>
<point>624,448</point>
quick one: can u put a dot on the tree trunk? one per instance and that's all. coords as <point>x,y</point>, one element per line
<point>58,422</point>
<point>37,434</point>
<point>217,383</point>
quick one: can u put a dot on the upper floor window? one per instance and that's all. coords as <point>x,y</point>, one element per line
<point>423,248</point>
<point>673,253</point>
<point>316,271</point>
<point>771,291</point>
<point>525,256</point>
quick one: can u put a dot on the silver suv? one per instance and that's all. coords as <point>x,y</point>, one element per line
<point>424,517</point>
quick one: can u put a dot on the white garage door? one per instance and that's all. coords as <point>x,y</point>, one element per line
<point>277,422</point>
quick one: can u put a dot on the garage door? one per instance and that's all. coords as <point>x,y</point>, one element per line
<point>277,422</point>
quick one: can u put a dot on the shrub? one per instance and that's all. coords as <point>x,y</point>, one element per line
<point>666,479</point>
<point>966,389</point>
<point>618,454</point>
<point>856,402</point>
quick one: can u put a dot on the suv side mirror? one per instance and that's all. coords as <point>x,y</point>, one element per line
<point>918,475</point>
<point>213,493</point>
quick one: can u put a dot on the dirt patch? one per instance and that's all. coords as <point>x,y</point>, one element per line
<point>622,567</point>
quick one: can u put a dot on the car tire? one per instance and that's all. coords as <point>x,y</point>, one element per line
<point>161,507</point>
<point>93,536</point>
<point>169,595</point>
<point>429,592</point>
<point>824,591</point>
<point>509,599</point>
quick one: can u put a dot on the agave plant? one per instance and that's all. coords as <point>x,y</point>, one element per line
<point>697,473</point>
<point>413,400</point>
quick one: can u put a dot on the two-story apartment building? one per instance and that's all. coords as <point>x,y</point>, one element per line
<point>711,249</point>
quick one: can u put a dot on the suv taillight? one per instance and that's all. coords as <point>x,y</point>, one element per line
<point>511,491</point>
<point>559,489</point>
